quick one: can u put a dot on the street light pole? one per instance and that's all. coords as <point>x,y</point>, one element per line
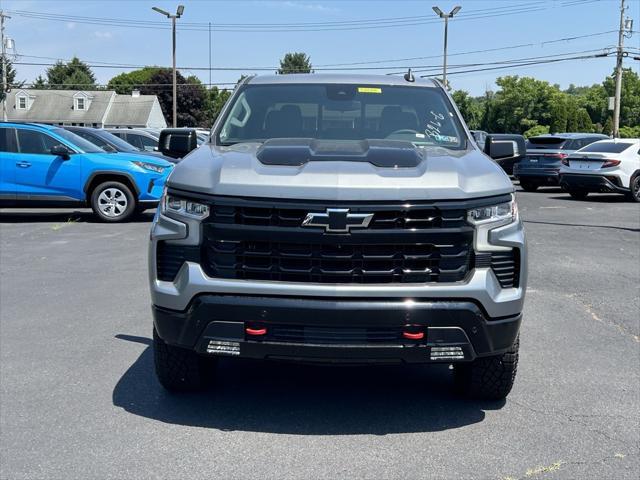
<point>178,14</point>
<point>446,17</point>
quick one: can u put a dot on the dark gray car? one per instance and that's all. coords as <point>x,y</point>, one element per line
<point>112,143</point>
<point>544,157</point>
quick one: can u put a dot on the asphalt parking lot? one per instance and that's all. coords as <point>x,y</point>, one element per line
<point>78,396</point>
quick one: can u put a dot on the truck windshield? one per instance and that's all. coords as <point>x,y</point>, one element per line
<point>422,115</point>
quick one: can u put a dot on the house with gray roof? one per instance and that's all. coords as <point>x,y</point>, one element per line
<point>99,108</point>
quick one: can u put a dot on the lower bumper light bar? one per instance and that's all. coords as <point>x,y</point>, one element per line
<point>219,347</point>
<point>447,353</point>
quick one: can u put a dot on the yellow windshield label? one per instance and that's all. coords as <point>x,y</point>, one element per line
<point>369,90</point>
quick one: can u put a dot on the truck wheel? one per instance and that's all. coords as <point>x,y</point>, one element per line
<point>488,378</point>
<point>113,202</point>
<point>578,194</point>
<point>528,186</point>
<point>634,189</point>
<point>179,369</point>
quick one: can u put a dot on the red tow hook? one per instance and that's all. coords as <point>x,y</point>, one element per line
<point>256,332</point>
<point>413,332</point>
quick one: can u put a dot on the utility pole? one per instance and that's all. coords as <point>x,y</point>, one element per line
<point>446,17</point>
<point>5,86</point>
<point>616,101</point>
<point>173,18</point>
<point>209,54</point>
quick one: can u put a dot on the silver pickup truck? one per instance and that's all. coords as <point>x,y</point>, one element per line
<point>339,219</point>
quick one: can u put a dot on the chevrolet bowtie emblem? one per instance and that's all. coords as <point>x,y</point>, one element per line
<point>337,220</point>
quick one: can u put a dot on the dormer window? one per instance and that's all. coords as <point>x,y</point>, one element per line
<point>22,103</point>
<point>80,103</point>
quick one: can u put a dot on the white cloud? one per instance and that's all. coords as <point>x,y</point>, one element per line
<point>103,35</point>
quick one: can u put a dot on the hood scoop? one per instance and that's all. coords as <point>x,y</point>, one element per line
<point>295,152</point>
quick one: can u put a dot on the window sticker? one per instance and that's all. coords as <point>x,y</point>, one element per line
<point>369,90</point>
<point>445,139</point>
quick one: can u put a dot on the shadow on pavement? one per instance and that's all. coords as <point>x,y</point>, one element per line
<point>304,400</point>
<point>562,224</point>
<point>595,197</point>
<point>57,216</point>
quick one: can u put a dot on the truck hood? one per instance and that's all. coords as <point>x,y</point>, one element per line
<point>441,175</point>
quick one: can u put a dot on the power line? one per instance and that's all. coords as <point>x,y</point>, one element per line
<point>299,27</point>
<point>526,64</point>
<point>497,49</point>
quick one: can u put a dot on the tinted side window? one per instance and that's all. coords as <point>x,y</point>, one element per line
<point>92,138</point>
<point>8,140</point>
<point>30,141</point>
<point>148,143</point>
<point>135,140</point>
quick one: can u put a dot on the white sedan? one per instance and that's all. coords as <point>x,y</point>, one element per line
<point>603,166</point>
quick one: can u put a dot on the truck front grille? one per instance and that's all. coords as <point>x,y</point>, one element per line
<point>404,243</point>
<point>334,335</point>
<point>263,239</point>
<point>337,263</point>
<point>395,217</point>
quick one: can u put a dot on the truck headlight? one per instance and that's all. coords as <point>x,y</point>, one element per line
<point>152,167</point>
<point>502,213</point>
<point>183,207</point>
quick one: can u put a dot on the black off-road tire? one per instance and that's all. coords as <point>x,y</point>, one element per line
<point>578,194</point>
<point>528,185</point>
<point>126,201</point>
<point>179,369</point>
<point>488,378</point>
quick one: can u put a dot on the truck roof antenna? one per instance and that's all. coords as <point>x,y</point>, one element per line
<point>409,76</point>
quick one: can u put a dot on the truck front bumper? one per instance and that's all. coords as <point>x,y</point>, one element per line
<point>337,330</point>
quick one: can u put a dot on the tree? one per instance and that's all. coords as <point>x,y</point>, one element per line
<point>190,97</point>
<point>629,98</point>
<point>558,112</point>
<point>214,101</point>
<point>297,62</point>
<point>537,130</point>
<point>583,121</point>
<point>519,102</point>
<point>39,82</point>
<point>11,72</point>
<point>126,82</point>
<point>630,132</point>
<point>11,76</point>
<point>74,75</point>
<point>470,108</point>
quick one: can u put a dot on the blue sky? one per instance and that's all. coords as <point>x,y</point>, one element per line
<point>480,25</point>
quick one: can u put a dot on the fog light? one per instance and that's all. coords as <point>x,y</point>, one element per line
<point>220,347</point>
<point>447,353</point>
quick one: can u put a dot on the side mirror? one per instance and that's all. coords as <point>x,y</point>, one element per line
<point>505,149</point>
<point>61,151</point>
<point>177,142</point>
<point>500,146</point>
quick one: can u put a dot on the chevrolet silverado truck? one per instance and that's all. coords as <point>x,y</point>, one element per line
<point>339,219</point>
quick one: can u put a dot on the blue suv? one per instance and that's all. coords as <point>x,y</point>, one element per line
<point>47,166</point>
